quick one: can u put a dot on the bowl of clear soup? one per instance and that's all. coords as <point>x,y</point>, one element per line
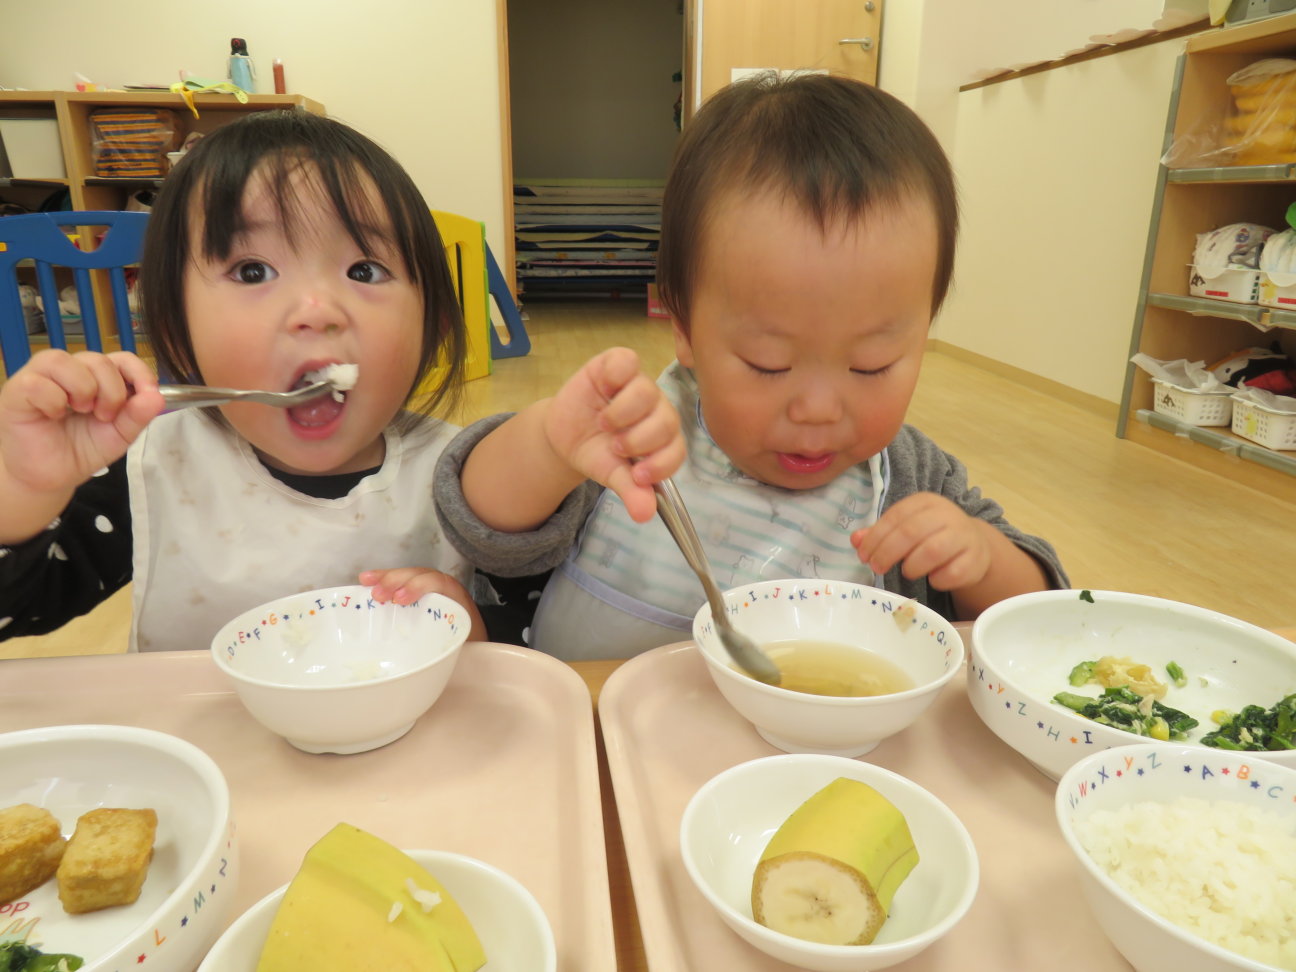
<point>858,664</point>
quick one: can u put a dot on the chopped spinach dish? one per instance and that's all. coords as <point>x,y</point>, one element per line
<point>1122,709</point>
<point>1177,674</point>
<point>1256,729</point>
<point>17,957</point>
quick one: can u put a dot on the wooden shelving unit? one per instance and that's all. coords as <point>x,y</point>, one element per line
<point>90,192</point>
<point>1170,324</point>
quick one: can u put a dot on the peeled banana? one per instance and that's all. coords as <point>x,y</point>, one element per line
<point>829,873</point>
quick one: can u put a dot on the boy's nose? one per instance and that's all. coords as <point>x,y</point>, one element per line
<point>816,403</point>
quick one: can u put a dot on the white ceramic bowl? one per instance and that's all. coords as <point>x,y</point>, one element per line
<point>1162,773</point>
<point>924,645</point>
<point>513,929</point>
<point>730,820</point>
<point>334,671</point>
<point>191,881</point>
<point>1023,650</point>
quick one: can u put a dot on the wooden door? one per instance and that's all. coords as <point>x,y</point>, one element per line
<point>788,34</point>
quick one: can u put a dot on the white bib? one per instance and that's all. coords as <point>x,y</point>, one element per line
<point>751,531</point>
<point>215,534</point>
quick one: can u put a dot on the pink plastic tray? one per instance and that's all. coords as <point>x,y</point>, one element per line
<point>502,768</point>
<point>668,731</point>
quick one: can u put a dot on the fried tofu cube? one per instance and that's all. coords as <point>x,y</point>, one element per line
<point>31,846</point>
<point>106,860</point>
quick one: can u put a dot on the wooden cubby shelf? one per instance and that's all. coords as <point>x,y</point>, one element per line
<point>87,191</point>
<point>1262,317</point>
<point>1169,324</point>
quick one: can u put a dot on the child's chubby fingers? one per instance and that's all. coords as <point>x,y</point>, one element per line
<point>896,534</point>
<point>145,400</point>
<point>612,370</point>
<point>52,382</point>
<point>967,567</point>
<point>656,429</point>
<point>637,400</point>
<point>639,499</point>
<point>405,585</point>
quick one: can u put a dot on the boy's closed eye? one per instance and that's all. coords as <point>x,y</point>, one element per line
<point>761,370</point>
<point>873,372</point>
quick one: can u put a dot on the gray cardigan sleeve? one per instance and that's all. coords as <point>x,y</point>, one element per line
<point>504,554</point>
<point>918,465</point>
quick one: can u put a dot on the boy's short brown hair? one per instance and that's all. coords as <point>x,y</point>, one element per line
<point>836,146</point>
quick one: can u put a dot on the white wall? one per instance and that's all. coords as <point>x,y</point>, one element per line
<point>421,77</point>
<point>942,42</point>
<point>592,95</point>
<point>1056,172</point>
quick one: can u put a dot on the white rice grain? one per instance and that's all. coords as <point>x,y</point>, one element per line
<point>1224,871</point>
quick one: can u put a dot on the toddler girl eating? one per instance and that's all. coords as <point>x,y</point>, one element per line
<point>808,236</point>
<point>281,245</point>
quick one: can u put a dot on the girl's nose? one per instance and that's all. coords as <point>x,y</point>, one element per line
<point>316,310</point>
<point>816,403</point>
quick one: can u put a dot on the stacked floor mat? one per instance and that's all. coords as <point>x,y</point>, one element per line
<point>586,238</point>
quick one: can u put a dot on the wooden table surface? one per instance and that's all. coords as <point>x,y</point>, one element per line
<point>625,919</point>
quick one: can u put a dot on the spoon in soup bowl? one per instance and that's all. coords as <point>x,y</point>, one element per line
<point>749,656</point>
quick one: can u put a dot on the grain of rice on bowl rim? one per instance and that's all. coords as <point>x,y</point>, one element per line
<point>1224,871</point>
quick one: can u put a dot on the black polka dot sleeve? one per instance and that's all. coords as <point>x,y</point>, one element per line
<point>81,559</point>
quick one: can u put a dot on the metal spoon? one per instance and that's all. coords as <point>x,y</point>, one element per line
<point>200,396</point>
<point>748,655</point>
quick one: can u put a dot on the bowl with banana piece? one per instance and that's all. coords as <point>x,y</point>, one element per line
<point>827,863</point>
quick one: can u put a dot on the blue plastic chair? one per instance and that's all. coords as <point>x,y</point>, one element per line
<point>518,343</point>
<point>39,237</point>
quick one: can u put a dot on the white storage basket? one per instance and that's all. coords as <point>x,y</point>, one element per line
<point>1273,430</point>
<point>1194,407</point>
<point>1237,286</point>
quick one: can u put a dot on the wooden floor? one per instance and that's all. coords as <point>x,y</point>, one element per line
<point>1122,516</point>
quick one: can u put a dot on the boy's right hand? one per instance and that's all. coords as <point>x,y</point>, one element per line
<point>608,413</point>
<point>63,417</point>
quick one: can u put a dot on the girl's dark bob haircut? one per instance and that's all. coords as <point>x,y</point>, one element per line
<point>834,146</point>
<point>210,182</point>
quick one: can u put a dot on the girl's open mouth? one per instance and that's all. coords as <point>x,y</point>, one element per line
<point>320,417</point>
<point>796,463</point>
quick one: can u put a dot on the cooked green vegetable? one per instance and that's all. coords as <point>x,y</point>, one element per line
<point>1082,674</point>
<point>1122,709</point>
<point>1086,596</point>
<point>1256,729</point>
<point>17,957</point>
<point>1177,673</point>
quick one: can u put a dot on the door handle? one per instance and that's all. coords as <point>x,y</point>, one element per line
<point>865,43</point>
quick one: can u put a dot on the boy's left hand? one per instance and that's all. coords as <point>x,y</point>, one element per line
<point>932,537</point>
<point>405,585</point>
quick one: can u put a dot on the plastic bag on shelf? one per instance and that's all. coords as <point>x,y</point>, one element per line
<point>1265,399</point>
<point>1182,373</point>
<point>1254,123</point>
<point>1235,246</point>
<point>133,142</point>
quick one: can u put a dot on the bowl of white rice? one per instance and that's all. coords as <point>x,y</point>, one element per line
<point>1187,856</point>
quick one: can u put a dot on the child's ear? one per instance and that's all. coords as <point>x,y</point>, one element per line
<point>683,347</point>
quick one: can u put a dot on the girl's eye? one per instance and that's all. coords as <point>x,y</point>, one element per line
<point>253,272</point>
<point>872,372</point>
<point>367,272</point>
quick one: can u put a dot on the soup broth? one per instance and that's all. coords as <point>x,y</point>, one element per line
<point>831,668</point>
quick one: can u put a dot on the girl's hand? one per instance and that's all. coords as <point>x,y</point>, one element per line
<point>608,413</point>
<point>935,539</point>
<point>932,537</point>
<point>63,417</point>
<point>405,585</point>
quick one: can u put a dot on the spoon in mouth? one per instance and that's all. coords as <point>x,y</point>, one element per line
<point>201,396</point>
<point>750,658</point>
